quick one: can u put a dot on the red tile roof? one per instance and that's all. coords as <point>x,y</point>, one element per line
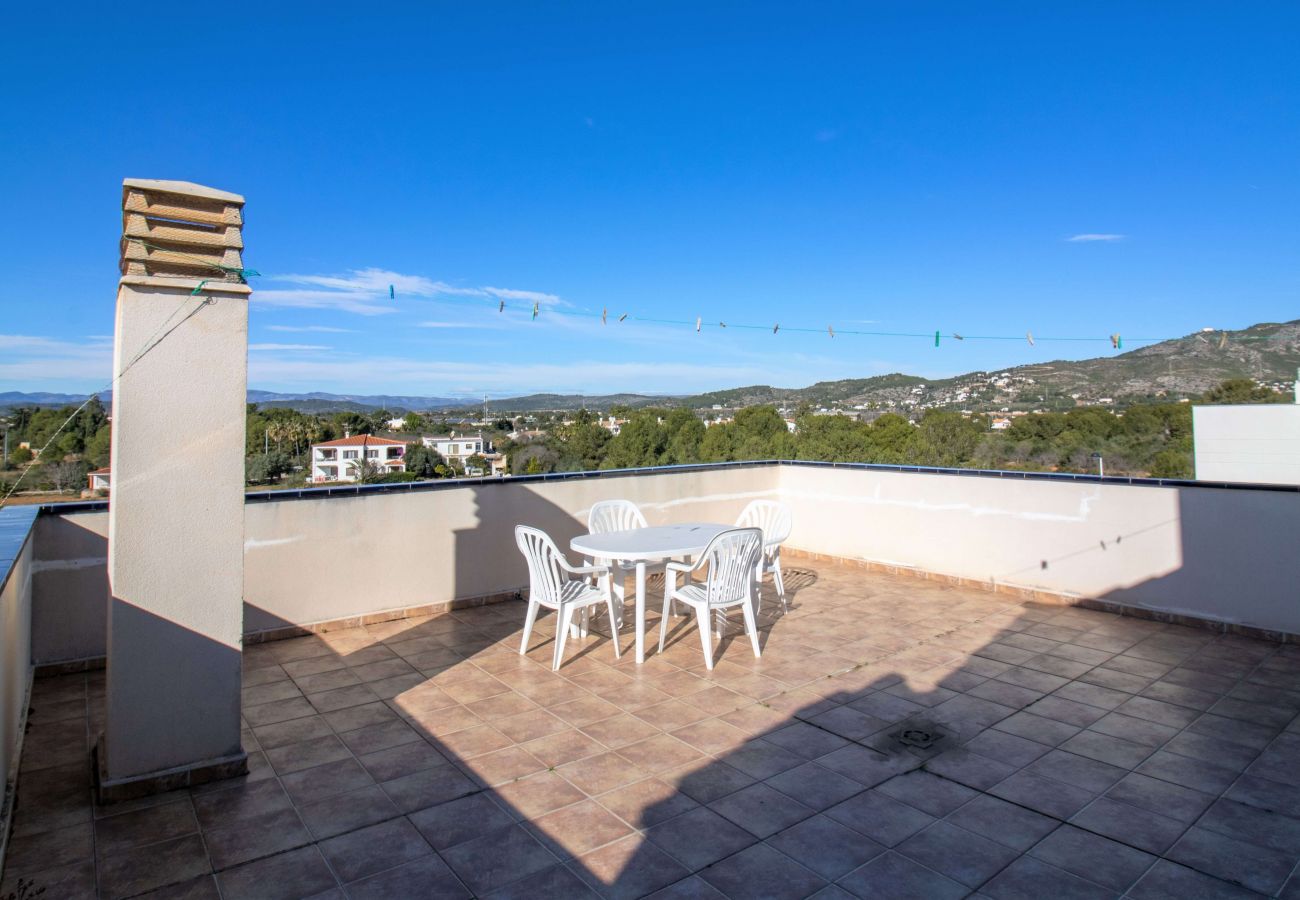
<point>361,440</point>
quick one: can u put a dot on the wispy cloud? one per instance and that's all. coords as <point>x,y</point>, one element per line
<point>262,347</point>
<point>41,362</point>
<point>324,329</point>
<point>446,325</point>
<point>366,292</point>
<point>1090,238</point>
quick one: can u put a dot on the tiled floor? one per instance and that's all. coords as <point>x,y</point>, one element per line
<point>1083,755</point>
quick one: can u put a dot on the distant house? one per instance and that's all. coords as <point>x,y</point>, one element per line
<point>612,425</point>
<point>458,447</point>
<point>1000,424</point>
<point>99,480</point>
<point>340,460</point>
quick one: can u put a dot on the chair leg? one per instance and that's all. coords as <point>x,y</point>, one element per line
<point>618,587</point>
<point>613,626</point>
<point>758,585</point>
<point>584,627</point>
<point>663,619</point>
<point>751,626</point>
<point>702,614</point>
<point>780,582</point>
<point>561,632</point>
<point>528,625</point>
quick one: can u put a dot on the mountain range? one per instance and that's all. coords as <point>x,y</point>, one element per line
<point>1184,367</point>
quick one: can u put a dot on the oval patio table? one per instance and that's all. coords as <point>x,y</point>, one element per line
<point>647,545</point>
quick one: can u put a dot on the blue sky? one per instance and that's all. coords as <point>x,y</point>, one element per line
<point>899,167</point>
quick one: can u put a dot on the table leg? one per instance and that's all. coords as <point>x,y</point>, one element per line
<point>640,611</point>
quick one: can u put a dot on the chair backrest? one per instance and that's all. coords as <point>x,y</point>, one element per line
<point>614,515</point>
<point>732,556</point>
<point>771,516</point>
<point>546,577</point>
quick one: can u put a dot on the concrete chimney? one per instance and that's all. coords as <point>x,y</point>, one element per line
<point>176,520</point>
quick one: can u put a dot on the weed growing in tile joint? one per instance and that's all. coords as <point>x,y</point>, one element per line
<point>27,890</point>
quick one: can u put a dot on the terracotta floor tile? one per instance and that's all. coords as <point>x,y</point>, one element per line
<point>129,872</point>
<point>577,829</point>
<point>555,750</point>
<point>498,858</point>
<point>646,802</point>
<point>602,773</point>
<point>373,849</point>
<point>296,873</point>
<point>658,753</point>
<point>427,876</point>
<point>145,826</point>
<point>539,794</point>
<point>629,868</point>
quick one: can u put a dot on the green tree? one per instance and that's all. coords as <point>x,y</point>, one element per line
<point>1242,390</point>
<point>581,442</point>
<point>263,468</point>
<point>1171,464</point>
<point>685,433</point>
<point>422,461</point>
<point>945,438</point>
<point>761,433</point>
<point>98,447</point>
<point>414,422</point>
<point>640,442</point>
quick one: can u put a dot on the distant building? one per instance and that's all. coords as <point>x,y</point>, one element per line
<point>458,447</point>
<point>612,425</point>
<point>340,460</point>
<point>1000,424</point>
<point>100,480</point>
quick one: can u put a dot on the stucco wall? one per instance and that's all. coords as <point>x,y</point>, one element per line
<point>70,587</point>
<point>1221,554</point>
<point>1227,555</point>
<point>15,661</point>
<point>315,560</point>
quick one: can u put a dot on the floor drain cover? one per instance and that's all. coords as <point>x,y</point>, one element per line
<point>917,735</point>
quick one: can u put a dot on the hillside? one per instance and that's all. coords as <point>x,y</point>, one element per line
<point>1184,367</point>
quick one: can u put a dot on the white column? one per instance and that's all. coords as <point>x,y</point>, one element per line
<point>176,531</point>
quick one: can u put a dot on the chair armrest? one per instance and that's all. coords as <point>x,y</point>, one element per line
<point>680,566</point>
<point>584,570</point>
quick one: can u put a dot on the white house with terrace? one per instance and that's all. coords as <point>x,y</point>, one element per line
<point>341,460</point>
<point>458,447</point>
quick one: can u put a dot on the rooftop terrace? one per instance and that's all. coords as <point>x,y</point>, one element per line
<point>1083,754</point>
<point>1014,687</point>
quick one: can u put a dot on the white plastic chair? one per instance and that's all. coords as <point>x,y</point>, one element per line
<point>619,515</point>
<point>732,557</point>
<point>773,519</point>
<point>551,584</point>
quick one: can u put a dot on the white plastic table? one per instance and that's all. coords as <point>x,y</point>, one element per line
<point>646,545</point>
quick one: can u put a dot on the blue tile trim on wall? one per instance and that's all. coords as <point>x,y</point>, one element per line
<point>356,490</point>
<point>15,525</point>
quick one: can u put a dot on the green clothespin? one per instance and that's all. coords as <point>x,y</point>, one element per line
<point>198,287</point>
<point>392,295</point>
<point>936,339</point>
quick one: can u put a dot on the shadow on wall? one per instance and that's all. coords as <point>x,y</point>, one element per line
<point>1236,562</point>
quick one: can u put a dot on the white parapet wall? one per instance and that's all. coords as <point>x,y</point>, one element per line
<point>330,558</point>
<point>1219,554</point>
<point>1254,443</point>
<point>15,650</point>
